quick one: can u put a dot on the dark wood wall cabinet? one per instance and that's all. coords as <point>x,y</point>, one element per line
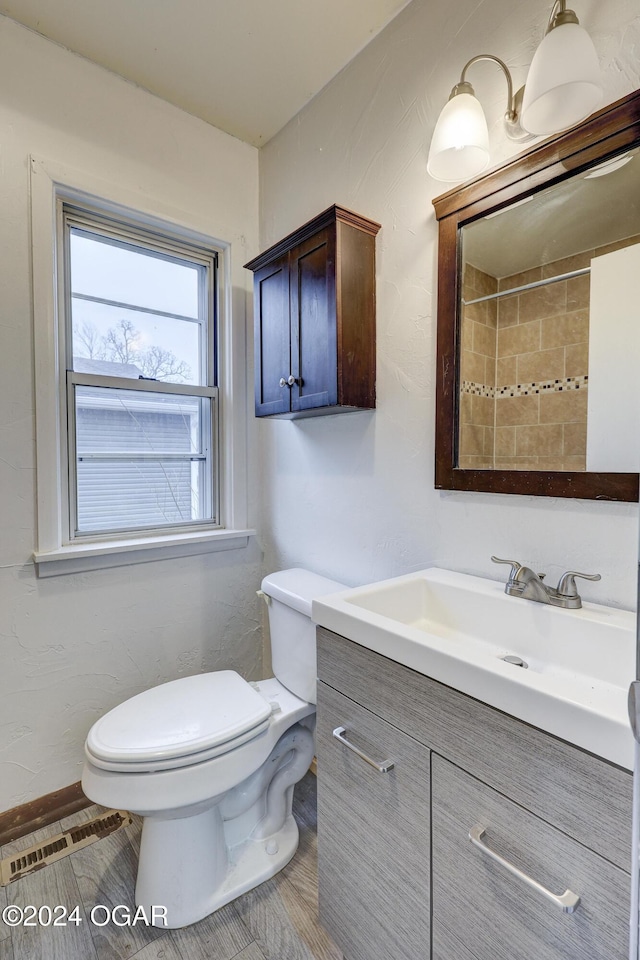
<point>315,321</point>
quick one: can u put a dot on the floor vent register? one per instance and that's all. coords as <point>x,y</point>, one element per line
<point>61,845</point>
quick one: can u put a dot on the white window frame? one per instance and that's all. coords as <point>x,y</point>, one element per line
<point>56,552</point>
<point>72,217</point>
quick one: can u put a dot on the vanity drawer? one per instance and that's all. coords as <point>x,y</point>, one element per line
<point>496,915</point>
<point>569,788</point>
<point>373,835</point>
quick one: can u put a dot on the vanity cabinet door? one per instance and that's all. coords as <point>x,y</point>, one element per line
<point>495,915</point>
<point>373,835</point>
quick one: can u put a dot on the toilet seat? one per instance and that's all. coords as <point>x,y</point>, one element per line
<point>179,723</point>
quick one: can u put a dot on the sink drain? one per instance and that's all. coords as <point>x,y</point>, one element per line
<point>516,661</point>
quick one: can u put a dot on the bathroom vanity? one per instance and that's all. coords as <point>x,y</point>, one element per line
<point>399,876</point>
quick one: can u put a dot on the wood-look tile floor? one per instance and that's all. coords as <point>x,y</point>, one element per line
<point>276,921</point>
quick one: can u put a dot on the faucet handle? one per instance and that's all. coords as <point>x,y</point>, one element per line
<point>567,584</point>
<point>515,566</point>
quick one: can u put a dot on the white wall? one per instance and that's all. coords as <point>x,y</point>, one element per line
<point>348,496</point>
<point>73,646</point>
<point>352,497</point>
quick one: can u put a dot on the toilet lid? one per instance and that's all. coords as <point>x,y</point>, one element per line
<point>180,718</point>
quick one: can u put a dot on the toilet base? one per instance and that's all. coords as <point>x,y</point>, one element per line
<point>186,893</point>
<point>257,861</point>
<point>194,864</point>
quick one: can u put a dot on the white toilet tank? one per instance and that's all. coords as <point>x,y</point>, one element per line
<point>293,634</point>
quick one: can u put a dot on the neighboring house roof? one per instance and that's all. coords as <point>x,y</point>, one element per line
<point>107,368</point>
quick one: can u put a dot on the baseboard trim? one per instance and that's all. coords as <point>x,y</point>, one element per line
<point>22,820</point>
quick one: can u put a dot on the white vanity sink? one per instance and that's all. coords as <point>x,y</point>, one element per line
<point>457,628</point>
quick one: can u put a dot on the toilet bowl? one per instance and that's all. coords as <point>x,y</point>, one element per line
<point>210,763</point>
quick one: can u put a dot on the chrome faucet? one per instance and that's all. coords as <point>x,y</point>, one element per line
<point>523,582</point>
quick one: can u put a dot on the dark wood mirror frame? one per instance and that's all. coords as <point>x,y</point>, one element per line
<point>610,131</point>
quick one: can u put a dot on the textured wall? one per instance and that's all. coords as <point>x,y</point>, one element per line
<point>349,496</point>
<point>73,646</point>
<point>353,496</point>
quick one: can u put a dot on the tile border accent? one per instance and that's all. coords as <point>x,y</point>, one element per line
<point>477,389</point>
<point>561,385</point>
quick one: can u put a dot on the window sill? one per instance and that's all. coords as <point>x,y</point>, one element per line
<point>79,557</point>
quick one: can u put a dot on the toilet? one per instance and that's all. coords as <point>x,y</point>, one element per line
<point>210,763</point>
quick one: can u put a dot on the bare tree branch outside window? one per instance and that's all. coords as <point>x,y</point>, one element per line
<point>120,344</point>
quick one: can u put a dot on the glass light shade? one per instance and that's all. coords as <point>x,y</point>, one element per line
<point>564,84</point>
<point>460,144</point>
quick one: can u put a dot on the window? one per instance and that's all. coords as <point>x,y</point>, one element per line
<point>139,336</point>
<point>141,397</point>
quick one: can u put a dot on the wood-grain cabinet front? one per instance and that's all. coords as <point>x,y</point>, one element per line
<point>399,876</point>
<point>373,834</point>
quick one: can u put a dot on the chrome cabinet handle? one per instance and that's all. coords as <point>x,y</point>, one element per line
<point>567,901</point>
<point>384,767</point>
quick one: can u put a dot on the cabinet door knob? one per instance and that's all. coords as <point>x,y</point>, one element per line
<point>283,382</point>
<point>289,382</point>
<point>567,901</point>
<point>384,767</point>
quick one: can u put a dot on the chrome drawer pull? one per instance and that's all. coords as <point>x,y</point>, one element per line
<point>567,901</point>
<point>384,767</point>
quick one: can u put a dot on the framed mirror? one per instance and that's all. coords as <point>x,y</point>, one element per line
<point>538,357</point>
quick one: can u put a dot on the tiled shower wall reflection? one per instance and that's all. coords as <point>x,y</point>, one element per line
<point>524,366</point>
<point>478,372</point>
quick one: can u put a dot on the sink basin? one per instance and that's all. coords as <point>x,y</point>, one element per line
<point>457,629</point>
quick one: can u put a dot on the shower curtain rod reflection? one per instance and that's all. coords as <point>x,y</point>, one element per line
<point>529,286</point>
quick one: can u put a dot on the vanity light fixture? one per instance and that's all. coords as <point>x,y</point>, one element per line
<point>563,84</point>
<point>460,142</point>
<point>563,87</point>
